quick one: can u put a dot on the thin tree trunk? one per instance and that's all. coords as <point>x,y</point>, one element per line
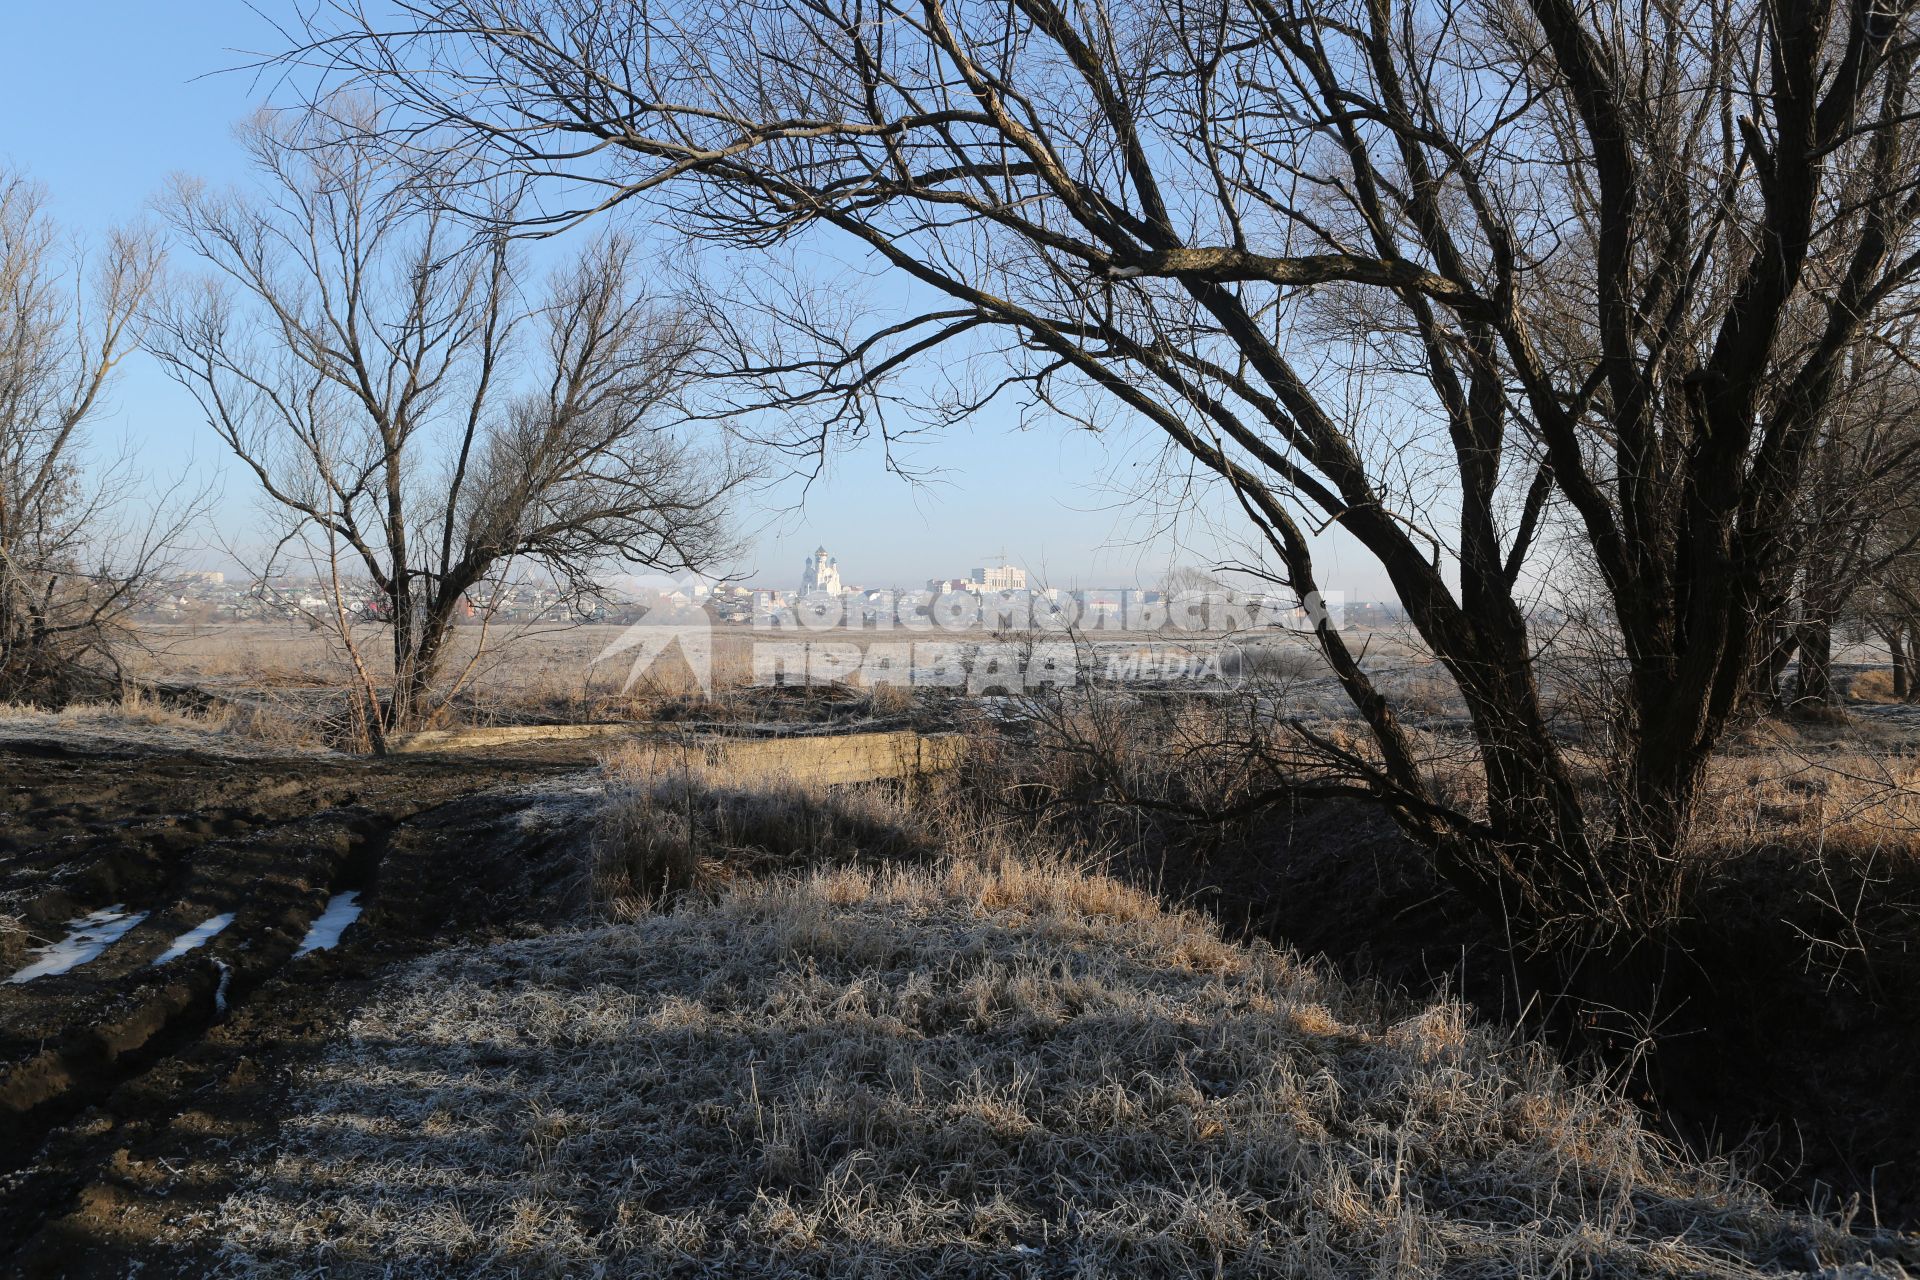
<point>1911,629</point>
<point>404,654</point>
<point>1816,662</point>
<point>1764,688</point>
<point>369,690</point>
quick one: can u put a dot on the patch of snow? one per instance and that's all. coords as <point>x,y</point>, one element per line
<point>220,992</point>
<point>194,937</point>
<point>342,911</point>
<point>87,937</point>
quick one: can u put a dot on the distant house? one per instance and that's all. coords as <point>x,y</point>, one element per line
<point>1000,577</point>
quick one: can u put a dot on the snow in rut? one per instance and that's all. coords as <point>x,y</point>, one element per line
<point>194,937</point>
<point>88,936</point>
<point>342,911</point>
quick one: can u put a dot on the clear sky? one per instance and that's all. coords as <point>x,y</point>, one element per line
<point>103,99</point>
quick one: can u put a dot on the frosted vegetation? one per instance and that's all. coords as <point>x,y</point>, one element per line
<point>1023,1070</point>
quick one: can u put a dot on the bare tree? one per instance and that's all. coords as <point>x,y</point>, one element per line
<point>1190,581</point>
<point>1428,272</point>
<point>70,572</point>
<point>1889,601</point>
<point>401,403</point>
<point>1855,519</point>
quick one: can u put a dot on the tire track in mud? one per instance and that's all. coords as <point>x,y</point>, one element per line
<point>105,1017</point>
<point>116,1055</point>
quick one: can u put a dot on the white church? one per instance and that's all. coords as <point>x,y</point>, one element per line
<point>822,575</point>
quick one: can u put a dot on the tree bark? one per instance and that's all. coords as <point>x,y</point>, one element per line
<point>1910,629</point>
<point>1764,689</point>
<point>429,655</point>
<point>1816,662</point>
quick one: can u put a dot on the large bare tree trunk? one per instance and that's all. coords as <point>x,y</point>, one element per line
<point>1816,662</point>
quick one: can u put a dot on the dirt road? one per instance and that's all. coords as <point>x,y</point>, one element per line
<point>122,1081</point>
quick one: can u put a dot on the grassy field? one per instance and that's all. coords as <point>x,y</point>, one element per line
<point>1013,1069</point>
<point>529,666</point>
<point>965,1028</point>
<point>563,666</point>
<point>906,1033</point>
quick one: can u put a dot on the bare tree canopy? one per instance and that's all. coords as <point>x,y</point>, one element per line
<point>418,418</point>
<point>1438,273</point>
<point>1855,525</point>
<point>69,575</point>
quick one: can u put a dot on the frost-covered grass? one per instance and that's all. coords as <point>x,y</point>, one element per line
<point>137,719</point>
<point>1005,1069</point>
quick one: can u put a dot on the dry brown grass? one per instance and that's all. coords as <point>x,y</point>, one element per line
<point>1841,796</point>
<point>14,939</point>
<point>1874,687</point>
<point>256,654</point>
<point>219,726</point>
<point>662,833</point>
<point>536,674</point>
<point>1852,785</point>
<point>1012,1070</point>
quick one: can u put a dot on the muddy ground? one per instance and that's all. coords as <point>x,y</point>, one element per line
<point>121,1085</point>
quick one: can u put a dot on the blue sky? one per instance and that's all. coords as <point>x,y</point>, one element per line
<point>102,101</point>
